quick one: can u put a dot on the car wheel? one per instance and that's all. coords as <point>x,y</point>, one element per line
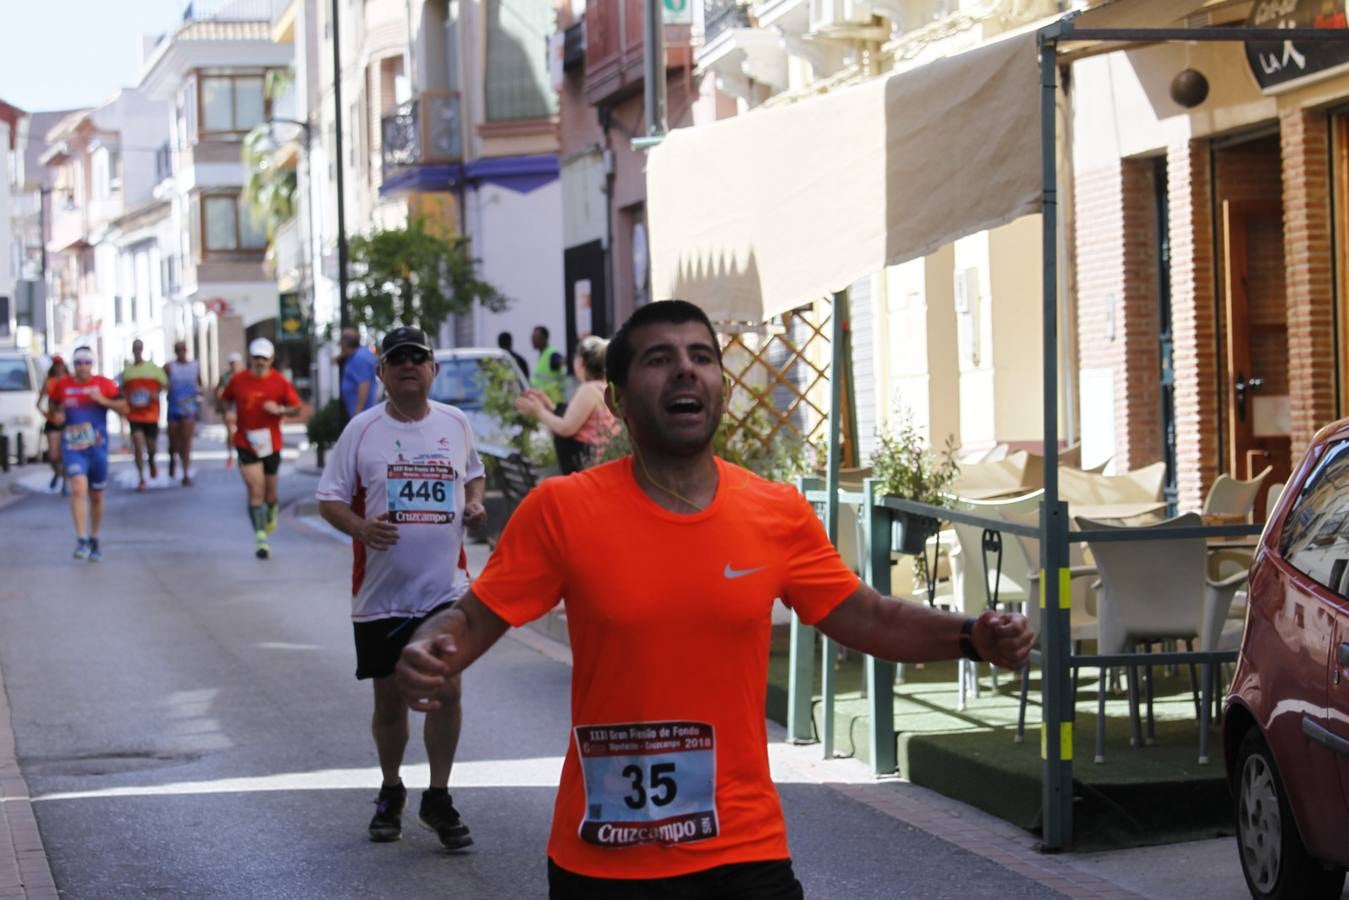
<point>1273,858</point>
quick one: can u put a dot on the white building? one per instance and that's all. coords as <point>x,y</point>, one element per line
<point>211,71</point>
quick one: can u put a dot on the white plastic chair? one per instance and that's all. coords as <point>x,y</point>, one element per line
<point>973,587</point>
<point>1231,497</point>
<point>1156,590</point>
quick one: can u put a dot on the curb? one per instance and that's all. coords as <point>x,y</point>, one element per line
<point>24,868</point>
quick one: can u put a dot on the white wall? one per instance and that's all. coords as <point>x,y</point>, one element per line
<point>7,274</point>
<point>518,239</point>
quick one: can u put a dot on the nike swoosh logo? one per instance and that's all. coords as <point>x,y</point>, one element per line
<point>740,573</point>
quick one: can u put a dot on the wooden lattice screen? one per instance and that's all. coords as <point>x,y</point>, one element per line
<point>782,369</point>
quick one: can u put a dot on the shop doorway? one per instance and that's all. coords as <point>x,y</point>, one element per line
<point>1255,340</point>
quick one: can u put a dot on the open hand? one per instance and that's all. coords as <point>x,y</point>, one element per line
<point>377,532</point>
<point>529,404</point>
<point>271,407</point>
<point>1003,639</point>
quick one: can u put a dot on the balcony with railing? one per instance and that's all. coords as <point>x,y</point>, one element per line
<point>614,51</point>
<point>426,130</point>
<point>722,15</point>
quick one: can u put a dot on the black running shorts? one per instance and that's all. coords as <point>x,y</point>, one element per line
<point>270,464</point>
<point>379,642</point>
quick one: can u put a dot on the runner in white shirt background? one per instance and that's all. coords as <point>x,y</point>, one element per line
<point>404,481</point>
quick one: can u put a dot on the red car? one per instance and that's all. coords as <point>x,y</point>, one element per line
<point>1286,727</point>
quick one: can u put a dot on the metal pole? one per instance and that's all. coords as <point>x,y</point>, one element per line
<point>343,313</point>
<point>654,82</point>
<point>800,669</point>
<point>880,673</point>
<point>838,329</point>
<point>1056,737</point>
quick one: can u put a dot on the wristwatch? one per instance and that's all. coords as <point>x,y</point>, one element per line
<point>967,648</point>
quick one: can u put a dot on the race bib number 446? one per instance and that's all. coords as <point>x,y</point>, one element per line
<point>648,783</point>
<point>420,493</point>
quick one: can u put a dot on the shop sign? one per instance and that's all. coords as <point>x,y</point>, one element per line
<point>291,327</point>
<point>1281,64</point>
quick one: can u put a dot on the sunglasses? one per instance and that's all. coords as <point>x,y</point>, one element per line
<point>84,362</point>
<point>263,358</point>
<point>411,354</point>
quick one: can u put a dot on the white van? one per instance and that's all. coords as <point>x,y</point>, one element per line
<point>21,380</point>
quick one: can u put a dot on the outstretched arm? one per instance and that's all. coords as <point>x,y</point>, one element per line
<point>443,646</point>
<point>911,632</point>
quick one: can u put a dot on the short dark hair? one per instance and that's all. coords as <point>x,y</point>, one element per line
<point>543,330</point>
<point>504,340</point>
<point>350,338</point>
<point>618,357</point>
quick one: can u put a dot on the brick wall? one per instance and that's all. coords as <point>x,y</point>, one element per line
<point>1116,256</point>
<point>1189,182</point>
<point>1305,140</point>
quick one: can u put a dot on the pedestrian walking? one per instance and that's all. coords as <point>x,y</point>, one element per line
<point>51,428</point>
<point>669,561</point>
<point>143,382</point>
<point>405,480</point>
<point>260,397</point>
<point>235,364</point>
<point>184,401</point>
<point>585,428</point>
<point>83,401</point>
<point>507,342</point>
<point>550,374</point>
<point>359,384</point>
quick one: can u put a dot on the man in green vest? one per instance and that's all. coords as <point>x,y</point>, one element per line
<point>550,372</point>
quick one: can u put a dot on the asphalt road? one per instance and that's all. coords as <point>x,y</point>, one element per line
<point>189,726</point>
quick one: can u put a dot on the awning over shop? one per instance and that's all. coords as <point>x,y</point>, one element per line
<point>761,213</point>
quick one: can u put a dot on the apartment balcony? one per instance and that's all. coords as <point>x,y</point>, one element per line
<point>722,15</point>
<point>427,130</point>
<point>163,162</point>
<point>614,51</point>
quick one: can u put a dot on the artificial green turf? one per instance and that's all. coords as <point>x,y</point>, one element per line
<point>1155,794</point>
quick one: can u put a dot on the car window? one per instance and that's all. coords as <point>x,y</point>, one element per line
<point>460,382</point>
<point>14,375</point>
<point>1315,537</point>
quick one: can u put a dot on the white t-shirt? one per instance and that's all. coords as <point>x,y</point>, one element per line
<point>416,472</point>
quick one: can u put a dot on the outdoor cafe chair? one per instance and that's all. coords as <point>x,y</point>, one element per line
<point>1232,498</point>
<point>983,579</point>
<point>1153,591</point>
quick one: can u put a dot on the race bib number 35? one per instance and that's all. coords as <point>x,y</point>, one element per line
<point>648,783</point>
<point>420,493</point>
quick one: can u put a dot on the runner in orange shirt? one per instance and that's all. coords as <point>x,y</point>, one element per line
<point>142,383</point>
<point>260,397</point>
<point>670,561</point>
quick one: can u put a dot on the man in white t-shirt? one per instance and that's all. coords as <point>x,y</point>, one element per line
<point>404,481</point>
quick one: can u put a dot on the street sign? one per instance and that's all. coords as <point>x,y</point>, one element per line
<point>676,12</point>
<point>1281,64</point>
<point>291,326</point>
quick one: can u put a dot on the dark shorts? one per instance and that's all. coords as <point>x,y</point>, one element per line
<point>769,880</point>
<point>270,464</point>
<point>380,641</point>
<point>149,429</point>
<point>50,427</point>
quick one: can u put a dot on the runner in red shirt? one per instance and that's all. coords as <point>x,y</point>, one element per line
<point>260,397</point>
<point>143,382</point>
<point>669,562</point>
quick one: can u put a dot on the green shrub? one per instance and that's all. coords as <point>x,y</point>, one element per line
<point>325,425</point>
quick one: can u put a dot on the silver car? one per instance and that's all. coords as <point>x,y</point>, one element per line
<point>462,381</point>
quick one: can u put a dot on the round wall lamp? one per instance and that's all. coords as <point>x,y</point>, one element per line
<point>1189,88</point>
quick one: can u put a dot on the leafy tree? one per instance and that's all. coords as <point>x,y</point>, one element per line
<point>412,276</point>
<point>270,187</point>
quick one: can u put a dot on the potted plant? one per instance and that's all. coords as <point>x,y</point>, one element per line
<point>905,466</point>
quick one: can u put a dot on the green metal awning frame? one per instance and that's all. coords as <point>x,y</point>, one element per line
<point>1057,660</point>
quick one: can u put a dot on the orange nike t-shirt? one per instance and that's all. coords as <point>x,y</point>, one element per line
<point>666,771</point>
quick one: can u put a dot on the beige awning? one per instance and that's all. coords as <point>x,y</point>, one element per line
<point>761,213</point>
<point>764,212</point>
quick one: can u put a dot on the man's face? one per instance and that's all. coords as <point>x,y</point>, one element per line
<point>84,368</point>
<point>538,339</point>
<point>674,398</point>
<point>259,364</point>
<point>137,348</point>
<point>180,351</point>
<point>407,374</point>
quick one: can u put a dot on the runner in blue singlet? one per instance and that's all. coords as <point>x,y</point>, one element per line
<point>184,400</point>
